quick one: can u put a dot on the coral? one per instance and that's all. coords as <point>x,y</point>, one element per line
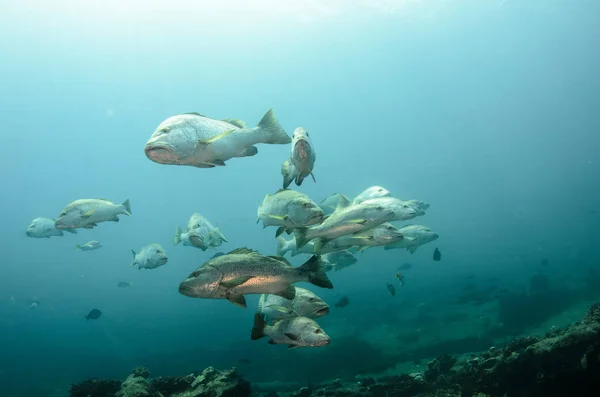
<point>168,385</point>
<point>214,383</point>
<point>136,385</point>
<point>593,314</point>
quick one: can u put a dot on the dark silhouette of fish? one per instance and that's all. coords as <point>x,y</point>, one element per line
<point>343,302</point>
<point>405,266</point>
<point>94,314</point>
<point>391,289</point>
<point>124,284</point>
<point>437,255</point>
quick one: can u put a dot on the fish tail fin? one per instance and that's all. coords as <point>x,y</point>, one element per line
<point>288,171</point>
<point>258,330</point>
<point>273,131</point>
<point>221,235</point>
<point>133,261</point>
<point>300,236</point>
<point>282,246</point>
<point>127,207</point>
<point>177,236</point>
<point>78,247</point>
<point>315,272</point>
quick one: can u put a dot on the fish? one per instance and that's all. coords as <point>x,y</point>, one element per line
<point>89,246</point>
<point>304,304</point>
<point>437,255</point>
<point>124,284</point>
<point>87,213</point>
<point>383,234</point>
<point>34,303</point>
<point>371,193</point>
<point>405,266</point>
<point>244,271</point>
<point>200,233</point>
<point>329,204</point>
<point>151,256</point>
<point>402,210</point>
<point>391,289</point>
<point>284,246</point>
<point>343,302</point>
<point>338,260</point>
<point>294,332</point>
<point>400,278</point>
<point>347,219</point>
<point>302,159</point>
<point>192,139</point>
<point>414,237</point>
<point>94,314</point>
<point>218,254</point>
<point>419,205</point>
<point>45,228</point>
<point>288,209</point>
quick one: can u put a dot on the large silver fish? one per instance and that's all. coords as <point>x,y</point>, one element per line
<point>199,141</point>
<point>414,237</point>
<point>45,228</point>
<point>243,271</point>
<point>289,210</point>
<point>294,332</point>
<point>87,213</point>
<point>302,159</point>
<point>305,304</point>
<point>151,256</point>
<point>347,219</point>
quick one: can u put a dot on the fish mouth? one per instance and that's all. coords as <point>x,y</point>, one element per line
<point>314,218</point>
<point>186,290</point>
<point>324,342</point>
<point>161,261</point>
<point>160,153</point>
<point>29,233</point>
<point>322,311</point>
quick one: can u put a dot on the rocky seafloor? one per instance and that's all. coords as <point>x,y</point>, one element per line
<point>565,362</point>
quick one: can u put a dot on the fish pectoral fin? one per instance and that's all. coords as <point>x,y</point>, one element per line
<point>313,176</point>
<point>359,221</point>
<point>279,231</point>
<point>90,226</point>
<point>293,346</point>
<point>204,165</point>
<point>361,249</point>
<point>280,309</point>
<point>215,138</point>
<point>291,336</point>
<point>278,217</point>
<point>288,292</point>
<point>248,152</point>
<point>236,282</point>
<point>87,214</point>
<point>412,250</point>
<point>272,342</point>
<point>237,300</point>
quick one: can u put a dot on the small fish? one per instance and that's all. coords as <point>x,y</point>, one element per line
<point>200,233</point>
<point>302,159</point>
<point>195,140</point>
<point>338,260</point>
<point>391,289</point>
<point>124,284</point>
<point>87,213</point>
<point>94,314</point>
<point>151,256</point>
<point>294,332</point>
<point>343,302</point>
<point>89,246</point>
<point>405,266</point>
<point>34,303</point>
<point>45,228</point>
<point>383,234</point>
<point>437,255</point>
<point>400,278</point>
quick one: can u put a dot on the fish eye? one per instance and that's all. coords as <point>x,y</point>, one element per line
<point>63,213</point>
<point>305,205</point>
<point>318,331</point>
<point>158,251</point>
<point>311,299</point>
<point>195,274</point>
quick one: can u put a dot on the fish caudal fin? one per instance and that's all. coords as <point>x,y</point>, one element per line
<point>258,330</point>
<point>300,236</point>
<point>133,261</point>
<point>273,131</point>
<point>314,270</point>
<point>177,236</point>
<point>78,247</point>
<point>282,246</point>
<point>127,207</point>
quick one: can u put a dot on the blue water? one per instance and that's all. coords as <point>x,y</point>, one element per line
<point>488,110</point>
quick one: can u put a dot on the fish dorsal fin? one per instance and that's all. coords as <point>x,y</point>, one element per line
<point>195,114</point>
<point>343,202</point>
<point>236,122</point>
<point>281,190</point>
<point>242,250</point>
<point>280,259</point>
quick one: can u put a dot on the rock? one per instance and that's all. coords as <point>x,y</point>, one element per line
<point>95,388</point>
<point>215,383</point>
<point>169,385</point>
<point>137,386</point>
<point>593,314</point>
<point>141,372</point>
<point>440,368</point>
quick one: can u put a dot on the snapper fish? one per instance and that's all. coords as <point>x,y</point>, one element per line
<point>199,141</point>
<point>87,213</point>
<point>89,246</point>
<point>304,304</point>
<point>151,256</point>
<point>302,159</point>
<point>294,332</point>
<point>45,228</point>
<point>289,210</point>
<point>414,237</point>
